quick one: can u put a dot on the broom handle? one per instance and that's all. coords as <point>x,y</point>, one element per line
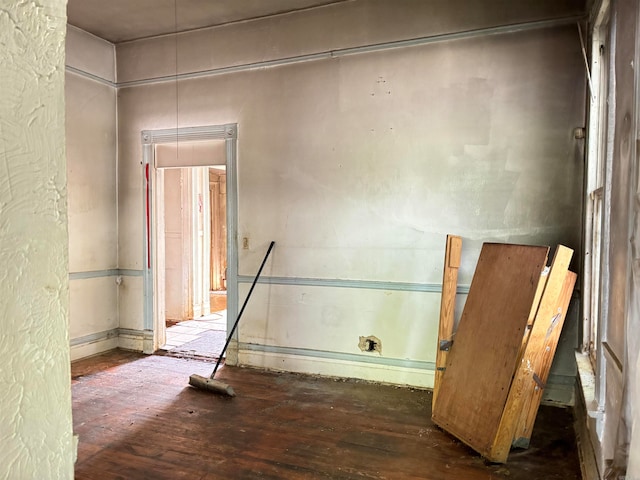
<point>235,325</point>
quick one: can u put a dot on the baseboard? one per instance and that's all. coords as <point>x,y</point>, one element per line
<point>90,348</point>
<point>334,364</point>
<point>583,417</point>
<point>560,391</point>
<point>96,343</point>
<point>135,340</point>
<point>586,452</point>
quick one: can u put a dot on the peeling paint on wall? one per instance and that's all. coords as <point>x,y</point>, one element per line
<point>370,344</point>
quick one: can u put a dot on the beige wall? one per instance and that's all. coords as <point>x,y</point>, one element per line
<point>90,54</point>
<point>359,165</point>
<point>35,383</point>
<point>325,29</point>
<point>91,169</point>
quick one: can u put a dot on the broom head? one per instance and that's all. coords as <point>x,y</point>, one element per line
<point>211,385</point>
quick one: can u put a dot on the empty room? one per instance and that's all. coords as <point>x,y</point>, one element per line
<point>338,239</point>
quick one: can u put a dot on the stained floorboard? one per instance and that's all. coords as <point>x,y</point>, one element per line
<point>137,418</point>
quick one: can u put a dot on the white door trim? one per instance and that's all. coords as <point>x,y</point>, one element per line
<point>153,309</point>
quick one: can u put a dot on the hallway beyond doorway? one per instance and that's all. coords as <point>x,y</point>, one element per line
<point>203,337</point>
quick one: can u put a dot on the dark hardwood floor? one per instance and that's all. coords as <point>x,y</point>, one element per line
<point>137,418</point>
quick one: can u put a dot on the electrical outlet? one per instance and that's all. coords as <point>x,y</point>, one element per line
<point>245,243</point>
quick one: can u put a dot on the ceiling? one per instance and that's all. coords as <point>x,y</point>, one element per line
<point>123,20</point>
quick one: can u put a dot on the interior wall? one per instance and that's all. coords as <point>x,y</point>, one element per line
<point>91,170</point>
<point>354,23</point>
<point>359,165</point>
<point>35,383</point>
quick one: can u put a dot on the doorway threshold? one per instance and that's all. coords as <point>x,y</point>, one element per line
<point>201,338</point>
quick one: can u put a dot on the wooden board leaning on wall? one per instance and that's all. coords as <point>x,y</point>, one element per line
<point>490,389</point>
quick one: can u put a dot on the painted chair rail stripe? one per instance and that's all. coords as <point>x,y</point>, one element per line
<point>114,272</point>
<point>365,284</point>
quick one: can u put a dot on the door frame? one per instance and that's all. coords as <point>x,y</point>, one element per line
<point>153,245</point>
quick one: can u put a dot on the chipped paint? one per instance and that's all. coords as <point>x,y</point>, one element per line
<point>370,344</point>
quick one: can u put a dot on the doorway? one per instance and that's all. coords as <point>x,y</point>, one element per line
<point>190,256</point>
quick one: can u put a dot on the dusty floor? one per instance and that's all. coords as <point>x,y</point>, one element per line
<point>137,418</point>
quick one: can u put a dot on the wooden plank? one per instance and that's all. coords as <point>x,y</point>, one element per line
<point>452,255</point>
<point>523,380</point>
<point>482,360</point>
<point>524,427</point>
<point>534,309</point>
<point>455,251</point>
<point>544,276</point>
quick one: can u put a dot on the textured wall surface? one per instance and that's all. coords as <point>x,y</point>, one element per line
<point>35,385</point>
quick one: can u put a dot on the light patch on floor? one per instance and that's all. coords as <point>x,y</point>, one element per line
<point>191,330</point>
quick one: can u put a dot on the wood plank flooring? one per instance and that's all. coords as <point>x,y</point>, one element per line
<point>137,418</point>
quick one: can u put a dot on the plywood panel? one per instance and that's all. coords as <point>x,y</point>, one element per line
<point>482,359</point>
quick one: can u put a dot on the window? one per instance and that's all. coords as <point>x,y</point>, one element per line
<point>597,155</point>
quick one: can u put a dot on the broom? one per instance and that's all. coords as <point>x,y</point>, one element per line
<point>216,386</point>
